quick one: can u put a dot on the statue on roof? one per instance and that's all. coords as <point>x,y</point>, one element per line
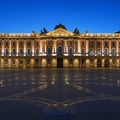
<point>76,31</point>
<point>60,26</point>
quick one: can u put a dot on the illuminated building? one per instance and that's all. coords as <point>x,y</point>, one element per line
<point>59,48</point>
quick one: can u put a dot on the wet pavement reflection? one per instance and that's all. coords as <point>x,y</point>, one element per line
<point>60,94</point>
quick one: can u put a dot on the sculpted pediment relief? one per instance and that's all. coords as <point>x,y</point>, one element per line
<point>60,33</point>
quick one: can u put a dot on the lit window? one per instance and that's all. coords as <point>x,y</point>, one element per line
<point>113,61</point>
<point>113,52</point>
<point>70,51</point>
<point>28,52</point>
<point>49,51</point>
<point>59,50</point>
<point>106,53</point>
<point>83,52</point>
<point>13,61</point>
<point>6,61</point>
<point>71,61</point>
<point>98,52</point>
<point>49,61</point>
<point>14,52</point>
<point>37,52</point>
<point>21,61</point>
<point>6,52</point>
<point>91,52</point>
<point>21,52</point>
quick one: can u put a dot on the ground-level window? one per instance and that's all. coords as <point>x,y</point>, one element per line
<point>91,61</point>
<point>21,61</point>
<point>36,61</point>
<point>28,61</point>
<point>71,61</point>
<point>48,61</point>
<point>113,61</point>
<point>6,61</point>
<point>13,61</point>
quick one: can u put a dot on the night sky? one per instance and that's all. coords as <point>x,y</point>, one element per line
<point>24,16</point>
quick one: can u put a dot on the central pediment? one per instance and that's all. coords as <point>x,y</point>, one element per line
<point>60,32</point>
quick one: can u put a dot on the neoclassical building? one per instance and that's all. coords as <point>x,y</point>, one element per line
<point>59,48</point>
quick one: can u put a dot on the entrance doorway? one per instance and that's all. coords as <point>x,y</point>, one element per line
<point>59,62</point>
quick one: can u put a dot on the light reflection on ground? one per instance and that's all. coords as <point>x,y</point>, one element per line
<point>61,92</point>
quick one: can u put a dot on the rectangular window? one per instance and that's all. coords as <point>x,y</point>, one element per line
<point>49,43</point>
<point>36,61</point>
<point>13,61</point>
<point>82,44</point>
<point>71,61</point>
<point>29,44</point>
<point>49,61</point>
<point>14,44</point>
<point>21,44</point>
<point>21,61</point>
<point>6,61</point>
<point>28,61</point>
<point>71,43</point>
<point>21,52</point>
<point>6,44</point>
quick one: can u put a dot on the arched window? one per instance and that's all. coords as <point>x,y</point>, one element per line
<point>13,52</point>
<point>21,52</point>
<point>28,52</point>
<point>70,51</point>
<point>113,52</point>
<point>83,52</point>
<point>106,52</point>
<point>37,52</point>
<point>60,50</point>
<point>98,52</point>
<point>49,51</point>
<point>6,52</point>
<point>91,52</point>
<point>119,52</point>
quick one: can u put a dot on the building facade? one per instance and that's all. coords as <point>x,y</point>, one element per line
<point>59,48</point>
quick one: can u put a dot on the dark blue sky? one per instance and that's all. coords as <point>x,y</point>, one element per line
<point>23,16</point>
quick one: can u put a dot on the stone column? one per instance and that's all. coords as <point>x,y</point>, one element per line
<point>102,48</point>
<point>32,48</point>
<point>17,49</point>
<point>79,47</point>
<point>10,51</point>
<point>87,47</point>
<point>3,49</point>
<point>110,48</point>
<point>24,48</point>
<point>41,47</point>
<point>117,49</point>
